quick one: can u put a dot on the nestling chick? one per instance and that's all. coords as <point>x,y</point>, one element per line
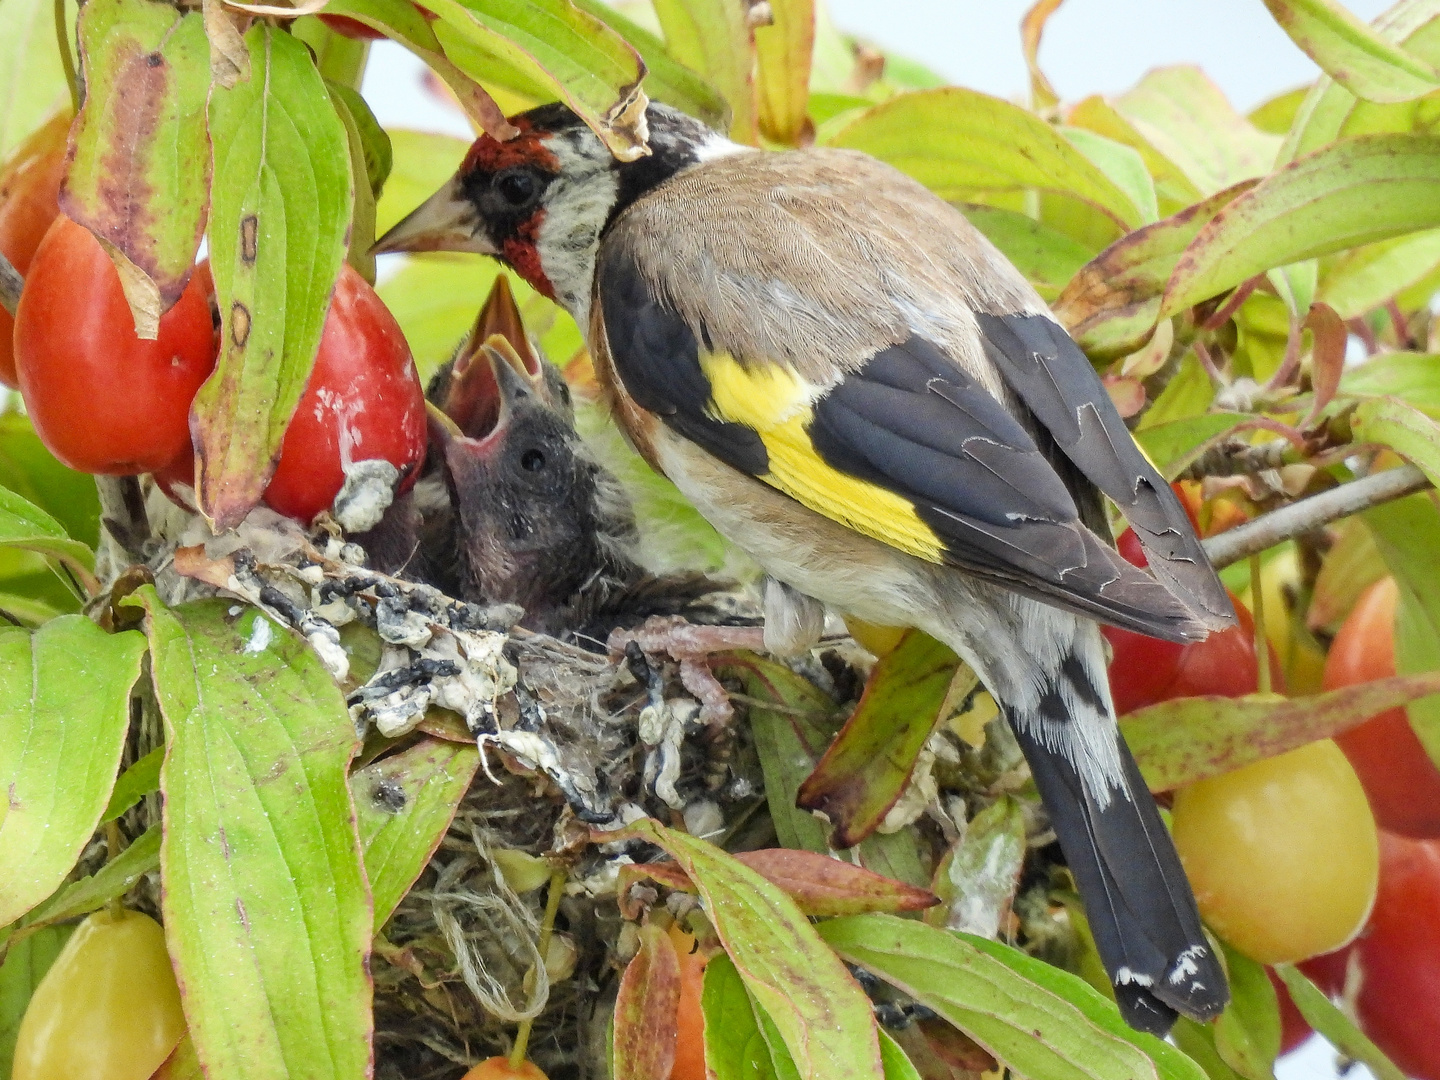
<point>515,510</point>
<point>854,386</point>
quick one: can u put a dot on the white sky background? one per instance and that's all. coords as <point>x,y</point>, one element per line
<point>1089,47</point>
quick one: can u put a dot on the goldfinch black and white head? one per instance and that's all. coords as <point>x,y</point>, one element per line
<point>856,387</point>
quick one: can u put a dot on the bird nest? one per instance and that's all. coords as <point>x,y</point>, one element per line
<point>574,741</point>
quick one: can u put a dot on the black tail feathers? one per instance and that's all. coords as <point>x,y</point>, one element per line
<point>1138,901</point>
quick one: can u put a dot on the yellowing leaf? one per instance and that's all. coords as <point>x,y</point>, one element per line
<point>963,144</point>
<point>1353,54</point>
<point>782,55</point>
<point>1354,192</point>
<point>713,37</point>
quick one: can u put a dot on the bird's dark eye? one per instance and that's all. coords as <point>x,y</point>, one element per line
<point>532,461</point>
<point>516,186</point>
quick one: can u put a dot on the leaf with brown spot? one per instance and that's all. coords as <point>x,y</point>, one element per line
<point>646,1007</point>
<point>139,160</point>
<point>266,905</point>
<point>282,197</point>
<point>1120,289</point>
<point>817,1009</point>
<point>866,768</point>
<point>1181,741</point>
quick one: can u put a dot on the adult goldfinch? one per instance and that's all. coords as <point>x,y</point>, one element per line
<point>855,387</point>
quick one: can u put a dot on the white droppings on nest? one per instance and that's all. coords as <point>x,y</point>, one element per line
<point>485,674</point>
<point>398,624</point>
<point>664,730</point>
<point>262,632</point>
<point>367,493</point>
<point>919,793</point>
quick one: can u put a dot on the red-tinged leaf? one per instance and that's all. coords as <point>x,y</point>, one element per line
<point>1349,193</point>
<point>403,804</point>
<point>1353,54</point>
<point>868,765</point>
<point>1127,394</point>
<point>1110,307</point>
<point>139,159</point>
<point>667,874</point>
<point>1181,741</point>
<point>281,202</point>
<point>1327,355</point>
<point>817,1008</point>
<point>645,1010</point>
<point>824,886</point>
<point>267,910</point>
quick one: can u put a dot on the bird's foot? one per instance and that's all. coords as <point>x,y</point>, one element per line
<point>691,646</point>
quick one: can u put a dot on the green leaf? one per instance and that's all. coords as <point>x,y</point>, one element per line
<point>1174,444</point>
<point>866,768</point>
<point>1407,532</point>
<point>1410,377</point>
<point>735,1047</point>
<point>266,909</point>
<point>897,1065</point>
<point>361,237</point>
<point>782,68</point>
<point>789,739</point>
<point>963,144</point>
<point>1198,1041</point>
<point>1247,1033</point>
<point>26,963</point>
<point>1188,394</point>
<point>1039,1020</point>
<point>1330,111</point>
<point>1186,118</point>
<point>573,56</point>
<point>1047,257</point>
<point>976,879</point>
<point>404,803</point>
<point>1404,428</point>
<point>24,526</point>
<point>1364,278</point>
<point>667,81</point>
<point>1173,189</point>
<point>1322,1015</point>
<point>61,737</point>
<point>1295,285</point>
<point>1351,53</point>
<point>139,175</point>
<point>1186,739</point>
<point>1112,304</point>
<point>1122,164</point>
<point>1275,115</point>
<point>818,1010</point>
<point>378,156</point>
<point>1354,192</point>
<point>281,199</point>
<point>713,38</point>
<point>139,780</point>
<point>32,81</point>
<point>33,473</point>
<point>112,881</point>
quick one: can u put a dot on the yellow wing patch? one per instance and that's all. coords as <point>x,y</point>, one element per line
<point>776,403</point>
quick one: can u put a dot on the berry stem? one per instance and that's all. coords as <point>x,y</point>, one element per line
<point>547,926</point>
<point>67,59</point>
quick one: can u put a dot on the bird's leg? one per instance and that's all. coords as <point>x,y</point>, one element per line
<point>691,645</point>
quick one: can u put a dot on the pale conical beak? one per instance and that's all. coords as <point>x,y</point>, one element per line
<point>501,316</point>
<point>446,221</point>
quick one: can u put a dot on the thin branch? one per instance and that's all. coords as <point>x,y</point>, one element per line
<point>1307,514</point>
<point>11,283</point>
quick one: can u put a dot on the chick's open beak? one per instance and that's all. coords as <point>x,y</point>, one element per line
<point>485,384</point>
<point>446,221</point>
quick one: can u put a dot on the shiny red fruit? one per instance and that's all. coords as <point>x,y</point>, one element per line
<point>29,188</point>
<point>1399,957</point>
<point>101,399</point>
<point>363,401</point>
<point>1144,671</point>
<point>1399,778</point>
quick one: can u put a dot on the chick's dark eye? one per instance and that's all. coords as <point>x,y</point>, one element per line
<point>516,186</point>
<point>532,461</point>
